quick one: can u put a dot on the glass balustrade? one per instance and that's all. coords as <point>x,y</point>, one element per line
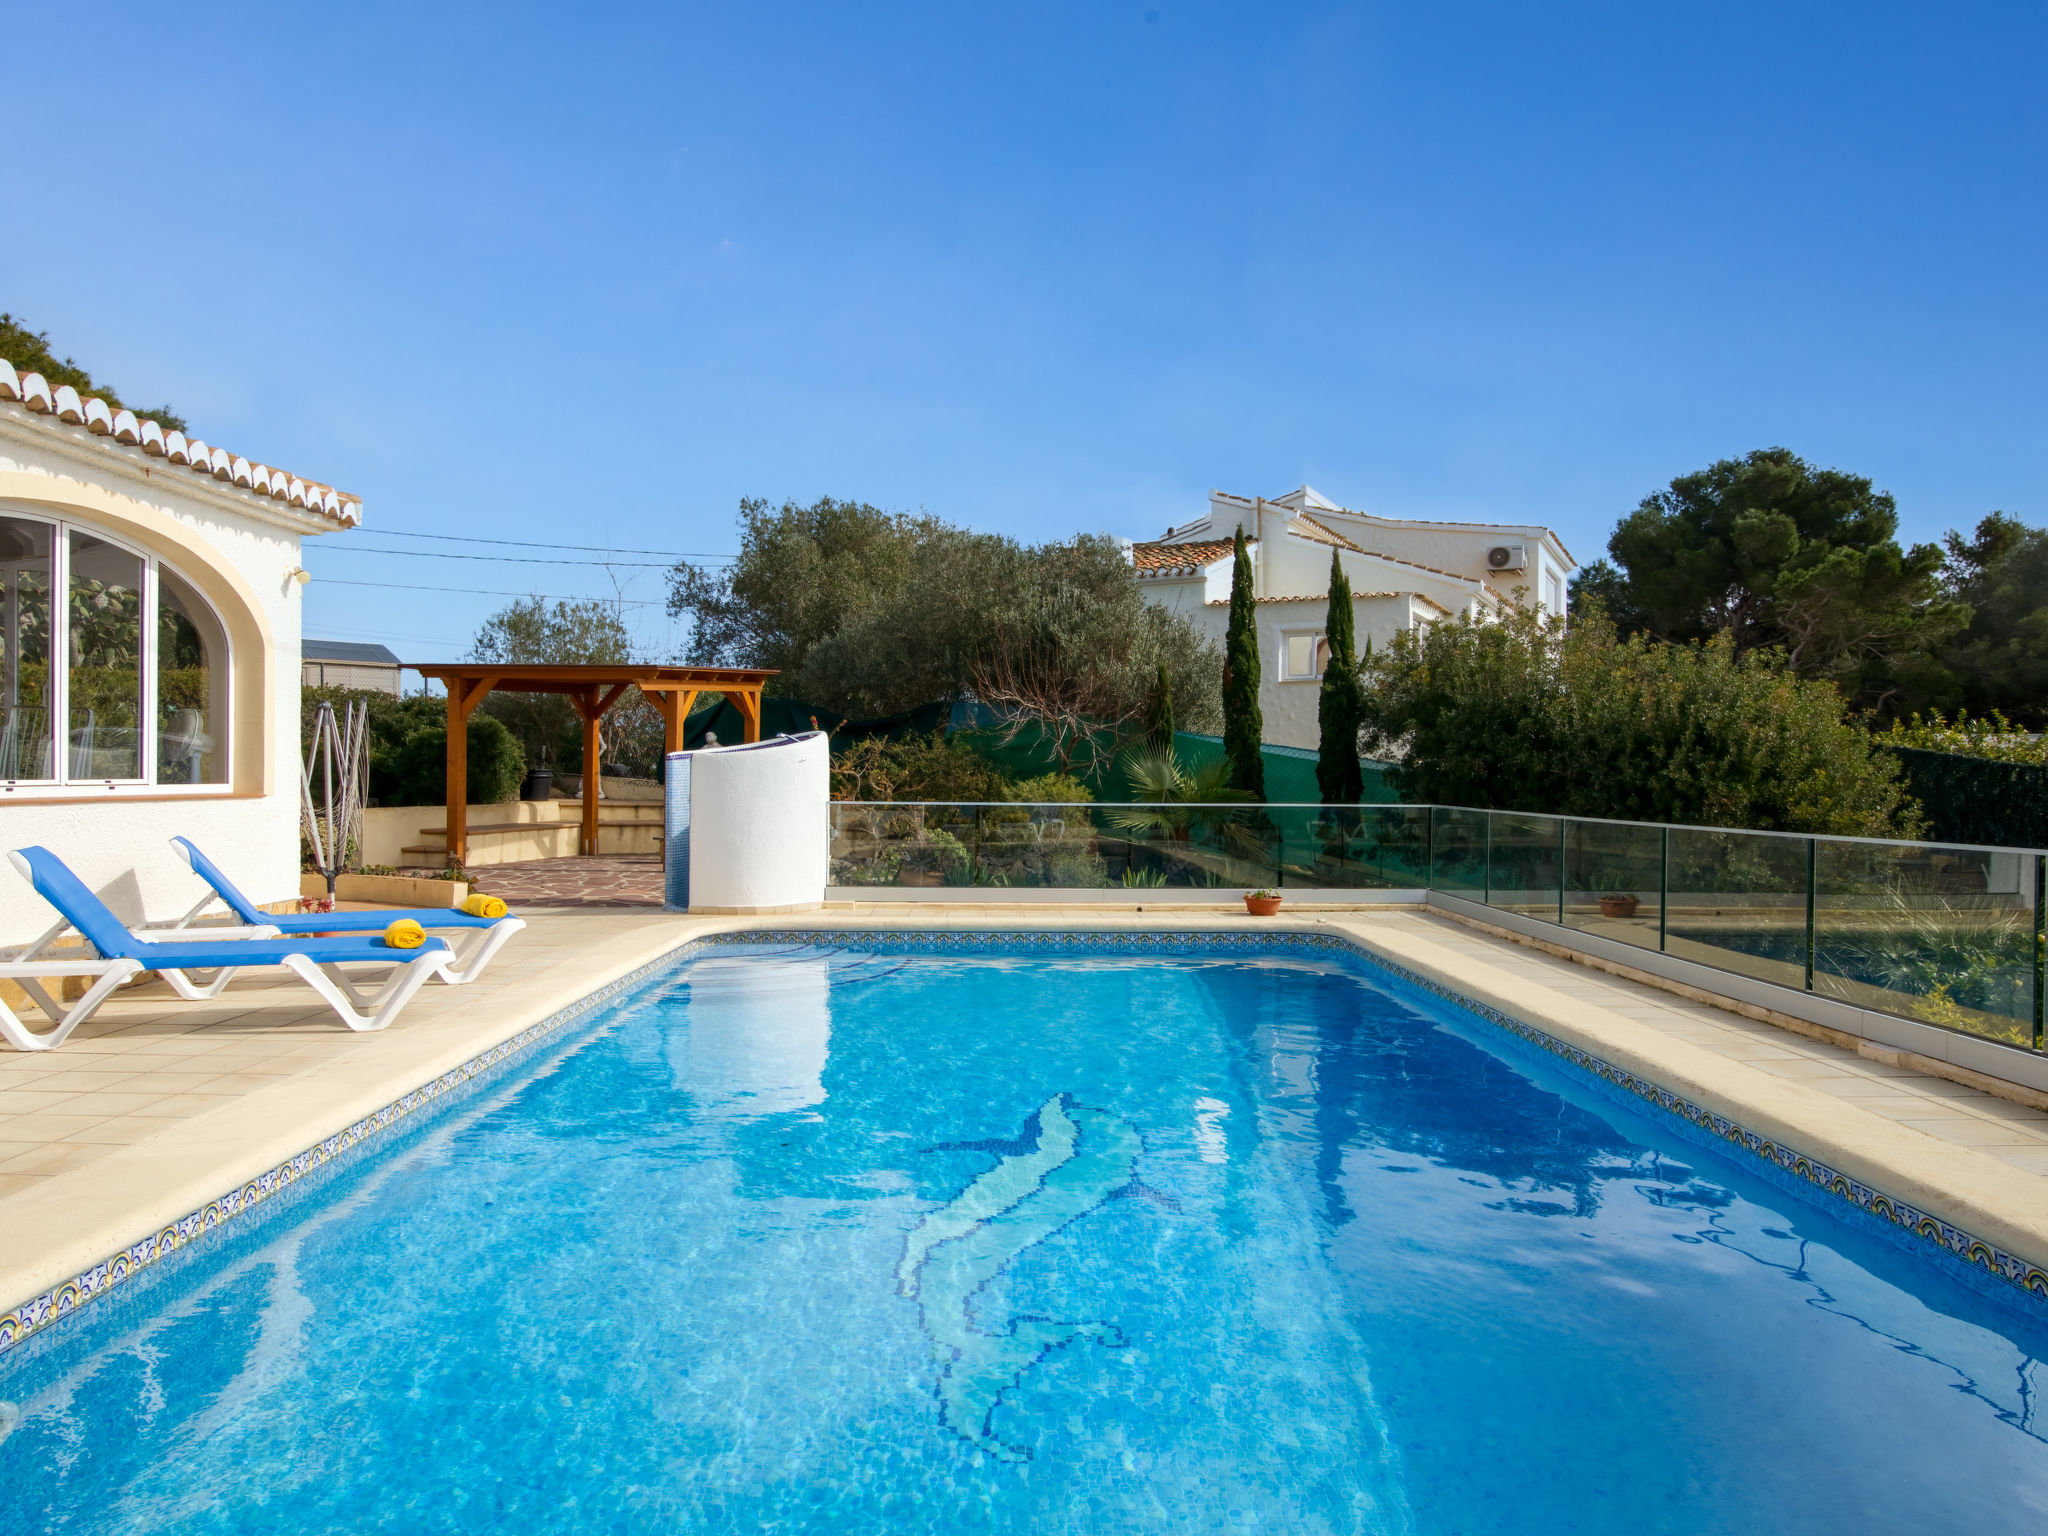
<point>1948,936</point>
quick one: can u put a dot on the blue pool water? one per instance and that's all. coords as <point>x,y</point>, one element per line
<point>839,1242</point>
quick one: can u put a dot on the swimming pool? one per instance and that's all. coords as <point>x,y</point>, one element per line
<point>864,1241</point>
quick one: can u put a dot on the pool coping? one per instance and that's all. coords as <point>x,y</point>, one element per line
<point>1923,1203</point>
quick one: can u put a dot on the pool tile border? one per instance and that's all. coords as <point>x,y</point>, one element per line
<point>32,1317</point>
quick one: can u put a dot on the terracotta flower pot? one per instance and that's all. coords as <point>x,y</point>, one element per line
<point>1618,906</point>
<point>1262,906</point>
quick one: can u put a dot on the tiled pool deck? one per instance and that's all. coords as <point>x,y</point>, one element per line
<point>159,1106</point>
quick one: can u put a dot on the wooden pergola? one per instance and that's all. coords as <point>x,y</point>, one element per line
<point>593,690</point>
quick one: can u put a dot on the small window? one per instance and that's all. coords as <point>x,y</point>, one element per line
<point>1305,657</point>
<point>1553,591</point>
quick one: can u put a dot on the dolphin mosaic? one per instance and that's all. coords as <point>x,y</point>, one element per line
<point>1079,1158</point>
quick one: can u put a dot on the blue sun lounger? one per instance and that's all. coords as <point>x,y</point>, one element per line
<point>121,955</point>
<point>471,955</point>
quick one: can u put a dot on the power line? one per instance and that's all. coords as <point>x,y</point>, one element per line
<point>553,597</point>
<point>444,554</point>
<point>589,549</point>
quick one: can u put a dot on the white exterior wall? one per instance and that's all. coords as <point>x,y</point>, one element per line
<point>760,824</point>
<point>240,549</point>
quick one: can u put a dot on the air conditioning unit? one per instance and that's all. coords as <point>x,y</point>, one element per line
<point>1507,557</point>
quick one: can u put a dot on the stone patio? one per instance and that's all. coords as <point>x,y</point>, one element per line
<point>605,880</point>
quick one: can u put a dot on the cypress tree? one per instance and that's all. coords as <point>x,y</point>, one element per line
<point>1243,724</point>
<point>1159,714</point>
<point>1338,778</point>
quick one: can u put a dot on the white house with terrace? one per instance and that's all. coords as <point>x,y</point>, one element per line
<point>1403,572</point>
<point>149,653</point>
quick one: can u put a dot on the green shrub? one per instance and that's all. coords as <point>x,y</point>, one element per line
<point>1513,713</point>
<point>1051,789</point>
<point>418,771</point>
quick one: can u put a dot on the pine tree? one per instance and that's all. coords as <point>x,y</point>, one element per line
<point>1159,714</point>
<point>1338,778</point>
<point>1243,724</point>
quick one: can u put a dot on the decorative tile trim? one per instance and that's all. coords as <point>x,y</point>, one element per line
<point>217,1215</point>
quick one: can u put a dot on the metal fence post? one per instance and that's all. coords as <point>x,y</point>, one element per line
<point>974,866</point>
<point>1486,863</point>
<point>1664,895</point>
<point>1428,852</point>
<point>1812,892</point>
<point>2040,950</point>
<point>1561,825</point>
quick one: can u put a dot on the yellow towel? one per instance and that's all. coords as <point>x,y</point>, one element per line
<point>405,934</point>
<point>481,905</point>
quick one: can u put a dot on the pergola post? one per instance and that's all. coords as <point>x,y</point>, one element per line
<point>464,694</point>
<point>748,702</point>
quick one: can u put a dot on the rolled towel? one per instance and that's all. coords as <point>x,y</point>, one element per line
<point>405,934</point>
<point>481,905</point>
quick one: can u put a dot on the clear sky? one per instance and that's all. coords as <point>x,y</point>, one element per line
<point>591,273</point>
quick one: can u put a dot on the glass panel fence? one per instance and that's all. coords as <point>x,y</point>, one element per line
<point>1522,867</point>
<point>1054,846</point>
<point>1943,935</point>
<point>908,845</point>
<point>1212,846</point>
<point>1940,934</point>
<point>1614,881</point>
<point>1352,847</point>
<point>1737,900</point>
<point>1457,851</point>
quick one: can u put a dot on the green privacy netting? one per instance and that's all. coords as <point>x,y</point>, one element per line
<point>1290,771</point>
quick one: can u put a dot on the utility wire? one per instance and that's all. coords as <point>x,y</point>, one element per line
<point>553,597</point>
<point>590,549</point>
<point>443,554</point>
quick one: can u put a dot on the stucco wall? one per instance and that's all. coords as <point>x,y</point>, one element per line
<point>239,549</point>
<point>760,824</point>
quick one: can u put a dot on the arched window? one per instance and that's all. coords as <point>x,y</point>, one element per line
<point>124,682</point>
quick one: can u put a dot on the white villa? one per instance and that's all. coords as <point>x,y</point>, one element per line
<point>1404,573</point>
<point>149,653</point>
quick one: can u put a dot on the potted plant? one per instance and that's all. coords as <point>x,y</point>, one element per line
<point>1263,902</point>
<point>1614,900</point>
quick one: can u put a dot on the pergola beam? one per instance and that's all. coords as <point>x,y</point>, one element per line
<point>593,690</point>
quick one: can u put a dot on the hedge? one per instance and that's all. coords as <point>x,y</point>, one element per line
<point>1977,800</point>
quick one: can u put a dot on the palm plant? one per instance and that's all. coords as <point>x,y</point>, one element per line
<point>1168,794</point>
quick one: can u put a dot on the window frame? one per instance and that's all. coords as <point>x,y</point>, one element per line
<point>63,785</point>
<point>1318,652</point>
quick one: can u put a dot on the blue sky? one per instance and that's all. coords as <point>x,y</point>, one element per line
<point>589,274</point>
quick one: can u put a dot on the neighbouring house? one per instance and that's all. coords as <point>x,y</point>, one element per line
<point>1404,572</point>
<point>149,652</point>
<point>346,664</point>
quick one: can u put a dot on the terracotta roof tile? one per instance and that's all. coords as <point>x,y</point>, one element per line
<point>125,428</point>
<point>1160,557</point>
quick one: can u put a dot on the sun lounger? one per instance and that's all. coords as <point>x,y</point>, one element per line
<point>472,953</point>
<point>122,955</point>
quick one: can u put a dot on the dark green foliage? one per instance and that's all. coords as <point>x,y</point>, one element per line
<point>1338,776</point>
<point>1977,800</point>
<point>419,768</point>
<point>1514,714</point>
<point>549,730</point>
<point>1244,725</point>
<point>409,747</point>
<point>1774,552</point>
<point>1159,713</point>
<point>872,613</point>
<point>916,768</point>
<point>392,720</point>
<point>2001,660</point>
<point>29,352</point>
